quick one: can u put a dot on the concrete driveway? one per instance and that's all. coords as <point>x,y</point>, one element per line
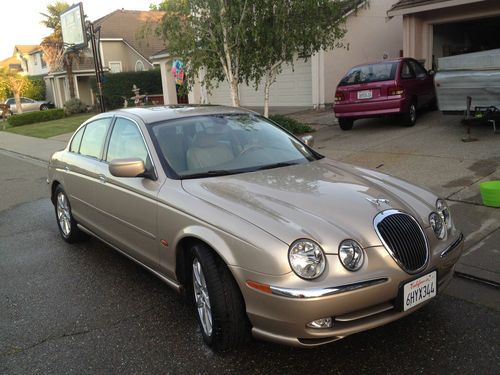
<point>430,154</point>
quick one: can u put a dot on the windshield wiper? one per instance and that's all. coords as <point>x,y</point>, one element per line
<point>276,165</point>
<point>212,173</point>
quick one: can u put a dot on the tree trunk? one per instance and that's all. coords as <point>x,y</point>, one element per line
<point>17,97</point>
<point>69,72</point>
<point>267,86</point>
<point>235,95</point>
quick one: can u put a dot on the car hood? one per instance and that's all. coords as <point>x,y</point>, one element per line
<point>324,200</point>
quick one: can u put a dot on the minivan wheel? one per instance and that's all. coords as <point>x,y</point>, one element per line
<point>410,117</point>
<point>346,123</point>
<point>219,305</point>
<point>65,222</point>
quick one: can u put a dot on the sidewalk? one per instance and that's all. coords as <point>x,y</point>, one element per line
<point>36,148</point>
<point>430,154</point>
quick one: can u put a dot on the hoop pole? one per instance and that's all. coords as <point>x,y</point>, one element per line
<point>97,65</point>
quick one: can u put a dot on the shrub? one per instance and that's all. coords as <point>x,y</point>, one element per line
<point>118,85</point>
<point>290,124</point>
<point>34,117</point>
<point>74,106</point>
<point>36,90</point>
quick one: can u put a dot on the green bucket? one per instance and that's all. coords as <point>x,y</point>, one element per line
<point>490,192</point>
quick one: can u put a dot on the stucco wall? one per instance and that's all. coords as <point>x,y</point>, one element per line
<point>119,51</point>
<point>370,35</point>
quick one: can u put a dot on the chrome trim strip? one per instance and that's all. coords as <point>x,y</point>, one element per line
<point>452,247</point>
<point>324,292</point>
<point>382,215</point>
<point>367,313</point>
<point>173,284</point>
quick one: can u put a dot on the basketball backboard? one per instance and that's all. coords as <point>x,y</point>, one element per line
<point>73,27</point>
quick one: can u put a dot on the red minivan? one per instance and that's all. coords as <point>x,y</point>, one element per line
<point>392,87</point>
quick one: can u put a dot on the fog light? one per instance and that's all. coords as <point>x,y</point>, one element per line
<point>321,323</point>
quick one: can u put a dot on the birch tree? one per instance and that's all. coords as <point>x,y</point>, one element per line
<point>287,29</point>
<point>209,36</point>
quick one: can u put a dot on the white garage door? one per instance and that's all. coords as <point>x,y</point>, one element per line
<point>292,88</point>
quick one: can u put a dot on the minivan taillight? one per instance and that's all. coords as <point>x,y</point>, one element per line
<point>396,90</point>
<point>339,97</point>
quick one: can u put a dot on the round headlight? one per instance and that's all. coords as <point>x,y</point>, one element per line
<point>307,259</point>
<point>351,255</point>
<point>437,225</point>
<point>444,212</point>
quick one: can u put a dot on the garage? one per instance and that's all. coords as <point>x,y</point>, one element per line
<point>293,87</point>
<point>457,38</point>
<point>441,28</point>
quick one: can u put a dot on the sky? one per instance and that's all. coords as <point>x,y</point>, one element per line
<point>20,24</point>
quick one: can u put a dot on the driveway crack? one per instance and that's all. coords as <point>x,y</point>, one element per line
<point>17,350</point>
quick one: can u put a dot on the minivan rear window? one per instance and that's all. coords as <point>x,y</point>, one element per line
<point>370,73</point>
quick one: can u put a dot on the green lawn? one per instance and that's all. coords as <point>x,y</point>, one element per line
<point>51,128</point>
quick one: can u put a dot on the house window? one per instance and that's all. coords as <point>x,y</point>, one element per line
<point>139,66</point>
<point>35,59</point>
<point>115,66</point>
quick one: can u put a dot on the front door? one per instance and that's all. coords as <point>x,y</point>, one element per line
<point>127,206</point>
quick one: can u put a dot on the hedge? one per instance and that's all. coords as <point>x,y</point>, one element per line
<point>290,124</point>
<point>34,117</point>
<point>116,86</point>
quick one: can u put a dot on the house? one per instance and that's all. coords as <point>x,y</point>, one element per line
<point>371,36</point>
<point>440,28</point>
<point>121,50</point>
<point>27,59</point>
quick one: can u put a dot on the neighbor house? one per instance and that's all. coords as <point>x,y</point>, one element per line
<point>371,36</point>
<point>121,49</point>
<point>27,59</point>
<point>439,28</point>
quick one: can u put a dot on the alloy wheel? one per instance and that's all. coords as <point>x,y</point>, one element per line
<point>202,299</point>
<point>63,214</point>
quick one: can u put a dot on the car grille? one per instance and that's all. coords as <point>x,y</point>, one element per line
<point>403,238</point>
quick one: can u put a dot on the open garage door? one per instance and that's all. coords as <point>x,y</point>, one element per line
<point>457,38</point>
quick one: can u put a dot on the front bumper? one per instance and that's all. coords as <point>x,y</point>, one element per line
<point>371,108</point>
<point>282,315</point>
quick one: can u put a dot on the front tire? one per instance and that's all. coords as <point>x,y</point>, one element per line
<point>346,123</point>
<point>65,222</point>
<point>219,305</point>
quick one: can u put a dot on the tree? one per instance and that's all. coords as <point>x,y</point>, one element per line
<point>53,45</point>
<point>285,29</point>
<point>210,37</point>
<point>13,81</point>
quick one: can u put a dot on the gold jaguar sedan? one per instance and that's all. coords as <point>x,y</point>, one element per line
<point>264,234</point>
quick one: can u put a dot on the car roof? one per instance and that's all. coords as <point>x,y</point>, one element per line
<point>170,112</point>
<point>383,61</point>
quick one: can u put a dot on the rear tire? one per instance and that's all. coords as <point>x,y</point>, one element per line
<point>218,302</point>
<point>410,118</point>
<point>346,123</point>
<point>67,225</point>
<point>44,107</point>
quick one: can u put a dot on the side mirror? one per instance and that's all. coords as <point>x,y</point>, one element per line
<point>130,167</point>
<point>308,140</point>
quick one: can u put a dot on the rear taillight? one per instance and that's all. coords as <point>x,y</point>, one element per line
<point>339,97</point>
<point>396,90</point>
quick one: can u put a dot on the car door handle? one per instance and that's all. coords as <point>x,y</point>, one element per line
<point>102,178</point>
<point>67,168</point>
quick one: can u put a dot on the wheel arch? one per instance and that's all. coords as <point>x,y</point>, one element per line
<point>53,188</point>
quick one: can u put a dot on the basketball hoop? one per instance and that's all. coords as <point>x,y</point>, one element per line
<point>73,28</point>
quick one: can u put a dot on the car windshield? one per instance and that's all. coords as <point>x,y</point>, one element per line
<point>204,146</point>
<point>370,73</point>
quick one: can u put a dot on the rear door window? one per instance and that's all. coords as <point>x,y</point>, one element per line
<point>94,137</point>
<point>370,73</point>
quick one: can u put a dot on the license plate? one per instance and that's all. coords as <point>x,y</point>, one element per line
<point>365,94</point>
<point>419,290</point>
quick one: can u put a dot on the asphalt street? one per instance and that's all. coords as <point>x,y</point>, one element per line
<point>86,309</point>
